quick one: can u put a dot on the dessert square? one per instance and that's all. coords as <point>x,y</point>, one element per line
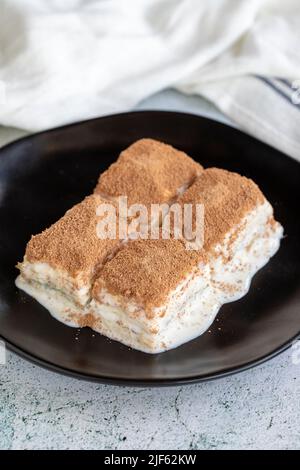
<point>60,264</point>
<point>148,172</point>
<point>153,294</point>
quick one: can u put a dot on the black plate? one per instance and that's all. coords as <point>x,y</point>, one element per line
<point>43,175</point>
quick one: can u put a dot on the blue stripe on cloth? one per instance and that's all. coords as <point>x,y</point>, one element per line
<point>272,84</point>
<point>286,82</point>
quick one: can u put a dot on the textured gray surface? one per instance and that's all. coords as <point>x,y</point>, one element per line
<point>256,409</point>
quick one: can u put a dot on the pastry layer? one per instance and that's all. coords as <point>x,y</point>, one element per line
<point>68,255</point>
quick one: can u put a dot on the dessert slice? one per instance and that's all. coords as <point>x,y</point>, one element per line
<point>60,263</point>
<point>148,172</point>
<point>154,295</point>
<point>150,294</point>
<point>240,232</point>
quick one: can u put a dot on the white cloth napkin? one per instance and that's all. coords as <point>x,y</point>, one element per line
<point>66,61</point>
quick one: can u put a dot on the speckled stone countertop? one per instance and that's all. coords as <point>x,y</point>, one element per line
<point>251,410</point>
<point>255,409</point>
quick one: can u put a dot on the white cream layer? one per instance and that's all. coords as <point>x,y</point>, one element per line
<point>190,308</point>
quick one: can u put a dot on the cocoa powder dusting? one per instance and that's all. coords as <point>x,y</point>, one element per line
<point>148,172</point>
<point>72,243</point>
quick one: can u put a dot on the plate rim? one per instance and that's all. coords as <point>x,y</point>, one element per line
<point>154,382</point>
<point>144,111</point>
